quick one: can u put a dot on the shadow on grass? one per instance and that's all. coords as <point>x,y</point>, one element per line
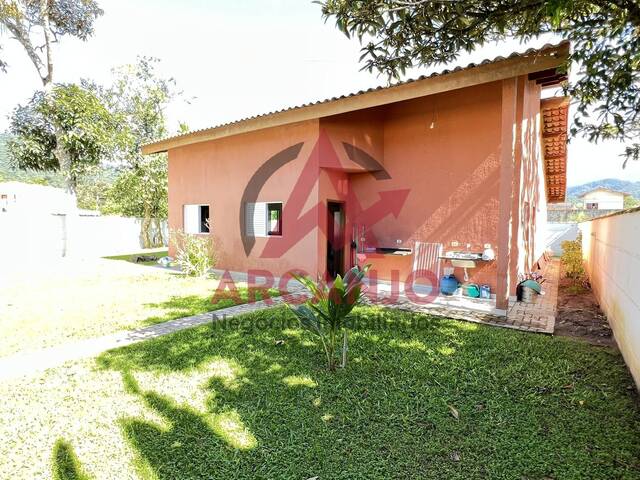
<point>279,413</point>
<point>189,447</point>
<point>132,257</point>
<point>66,465</point>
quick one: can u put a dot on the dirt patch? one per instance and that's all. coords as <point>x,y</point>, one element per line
<point>579,314</point>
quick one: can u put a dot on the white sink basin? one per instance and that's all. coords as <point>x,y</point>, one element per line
<point>455,262</point>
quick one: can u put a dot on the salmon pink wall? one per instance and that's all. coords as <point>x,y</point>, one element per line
<point>451,172</point>
<point>217,172</point>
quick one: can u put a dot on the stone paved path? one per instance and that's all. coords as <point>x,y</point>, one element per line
<point>25,363</point>
<point>538,317</point>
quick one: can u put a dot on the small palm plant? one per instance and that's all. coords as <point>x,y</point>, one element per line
<point>325,314</point>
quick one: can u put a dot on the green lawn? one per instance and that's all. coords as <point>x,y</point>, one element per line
<point>83,299</point>
<point>432,399</point>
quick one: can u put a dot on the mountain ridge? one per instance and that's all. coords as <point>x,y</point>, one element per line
<point>616,184</point>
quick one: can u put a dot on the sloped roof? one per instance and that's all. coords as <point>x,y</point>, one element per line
<point>555,118</point>
<point>604,189</point>
<point>540,64</point>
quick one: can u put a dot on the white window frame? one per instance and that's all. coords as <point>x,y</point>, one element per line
<point>257,223</point>
<point>197,219</point>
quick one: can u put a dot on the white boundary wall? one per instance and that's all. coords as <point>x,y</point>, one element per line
<point>48,235</point>
<point>611,250</point>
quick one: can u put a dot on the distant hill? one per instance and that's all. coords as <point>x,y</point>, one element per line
<point>611,183</point>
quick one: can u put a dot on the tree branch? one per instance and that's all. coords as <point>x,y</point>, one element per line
<point>46,26</point>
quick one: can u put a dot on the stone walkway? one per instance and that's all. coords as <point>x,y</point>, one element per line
<point>538,317</point>
<point>534,317</point>
<point>29,362</point>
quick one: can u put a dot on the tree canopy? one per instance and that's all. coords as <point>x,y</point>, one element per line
<point>137,99</point>
<point>605,36</point>
<point>66,130</point>
<point>38,24</point>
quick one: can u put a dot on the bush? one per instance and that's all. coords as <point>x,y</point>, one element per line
<point>572,258</point>
<point>195,254</point>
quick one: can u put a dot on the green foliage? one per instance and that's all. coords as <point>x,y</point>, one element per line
<point>31,22</point>
<point>9,172</point>
<point>141,190</point>
<point>631,202</point>
<point>137,99</point>
<point>605,37</point>
<point>326,313</point>
<point>67,130</point>
<point>577,216</point>
<point>572,258</point>
<point>195,254</point>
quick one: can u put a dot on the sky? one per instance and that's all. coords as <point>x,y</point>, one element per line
<point>234,59</point>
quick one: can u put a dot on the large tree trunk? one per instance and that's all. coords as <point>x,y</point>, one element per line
<point>46,74</point>
<point>158,238</point>
<point>146,227</point>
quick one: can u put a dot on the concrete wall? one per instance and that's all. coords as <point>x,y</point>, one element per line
<point>216,173</point>
<point>611,252</point>
<point>56,235</point>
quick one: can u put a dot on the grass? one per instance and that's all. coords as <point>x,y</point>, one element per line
<point>93,298</point>
<point>421,397</point>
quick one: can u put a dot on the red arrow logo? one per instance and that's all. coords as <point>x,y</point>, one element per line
<point>299,224</point>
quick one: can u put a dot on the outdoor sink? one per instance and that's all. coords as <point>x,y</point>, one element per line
<point>455,262</point>
<point>464,255</point>
<point>463,260</point>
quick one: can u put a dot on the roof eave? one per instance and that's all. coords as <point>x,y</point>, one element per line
<point>546,58</point>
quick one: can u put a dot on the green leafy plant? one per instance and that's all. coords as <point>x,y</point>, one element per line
<point>326,313</point>
<point>195,253</point>
<point>572,258</point>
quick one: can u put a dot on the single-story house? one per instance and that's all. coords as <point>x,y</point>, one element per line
<point>602,198</point>
<point>423,174</point>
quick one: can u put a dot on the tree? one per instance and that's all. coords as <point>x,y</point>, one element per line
<point>605,35</point>
<point>141,191</point>
<point>138,98</point>
<point>68,129</point>
<point>38,25</point>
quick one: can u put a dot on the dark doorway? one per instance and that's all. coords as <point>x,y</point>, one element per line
<point>335,239</point>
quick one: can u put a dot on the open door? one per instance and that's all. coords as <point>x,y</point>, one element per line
<point>335,239</point>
